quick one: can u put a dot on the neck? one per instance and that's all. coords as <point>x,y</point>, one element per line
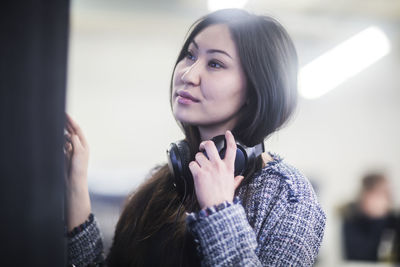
<point>210,131</point>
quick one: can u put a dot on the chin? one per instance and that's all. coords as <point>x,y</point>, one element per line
<point>185,119</point>
<point>182,115</point>
<point>179,117</point>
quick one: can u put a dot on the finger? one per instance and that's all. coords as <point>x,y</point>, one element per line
<point>68,128</point>
<point>68,152</point>
<point>68,125</point>
<point>75,141</point>
<point>76,129</point>
<point>238,180</point>
<point>194,168</point>
<point>201,159</point>
<point>67,137</point>
<point>211,150</point>
<point>230,154</point>
<point>65,150</point>
<point>68,146</point>
<point>72,122</point>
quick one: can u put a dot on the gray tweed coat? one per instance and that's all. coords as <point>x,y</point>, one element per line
<point>275,220</point>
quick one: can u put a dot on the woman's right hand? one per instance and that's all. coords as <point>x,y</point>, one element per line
<point>76,152</point>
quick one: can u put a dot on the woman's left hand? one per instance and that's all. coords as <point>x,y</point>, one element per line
<point>213,178</point>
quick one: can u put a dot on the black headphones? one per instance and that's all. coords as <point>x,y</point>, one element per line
<point>178,156</point>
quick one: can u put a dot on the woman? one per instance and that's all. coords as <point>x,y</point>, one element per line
<point>236,76</point>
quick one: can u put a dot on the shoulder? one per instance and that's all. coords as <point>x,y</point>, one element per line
<point>280,190</point>
<point>284,211</point>
<point>281,178</point>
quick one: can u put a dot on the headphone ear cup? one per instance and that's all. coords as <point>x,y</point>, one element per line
<point>184,152</point>
<point>241,155</point>
<point>178,161</point>
<point>241,161</point>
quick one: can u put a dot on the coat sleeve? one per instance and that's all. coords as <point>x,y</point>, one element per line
<point>225,237</point>
<point>85,245</point>
<point>295,238</point>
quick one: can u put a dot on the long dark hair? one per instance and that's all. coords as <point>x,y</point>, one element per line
<point>151,231</point>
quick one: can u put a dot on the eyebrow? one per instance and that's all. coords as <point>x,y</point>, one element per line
<point>212,50</point>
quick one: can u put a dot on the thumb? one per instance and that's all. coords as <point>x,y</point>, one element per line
<point>238,179</point>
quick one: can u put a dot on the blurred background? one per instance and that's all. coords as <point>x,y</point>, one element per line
<point>121,55</point>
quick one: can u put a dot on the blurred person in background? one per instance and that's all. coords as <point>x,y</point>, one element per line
<point>370,225</point>
<point>236,79</point>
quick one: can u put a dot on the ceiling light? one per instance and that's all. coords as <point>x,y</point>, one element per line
<point>342,62</point>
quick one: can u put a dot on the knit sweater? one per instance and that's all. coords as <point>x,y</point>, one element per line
<point>275,220</point>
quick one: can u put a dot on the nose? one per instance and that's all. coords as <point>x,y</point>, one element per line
<point>192,74</point>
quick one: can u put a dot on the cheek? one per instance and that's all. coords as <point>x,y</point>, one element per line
<point>227,89</point>
<point>174,80</point>
<point>178,73</point>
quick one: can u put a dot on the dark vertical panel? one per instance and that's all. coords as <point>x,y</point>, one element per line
<point>33,55</point>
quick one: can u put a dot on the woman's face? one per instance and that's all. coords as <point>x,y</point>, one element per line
<point>209,86</point>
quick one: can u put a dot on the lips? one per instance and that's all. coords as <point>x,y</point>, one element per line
<point>187,95</point>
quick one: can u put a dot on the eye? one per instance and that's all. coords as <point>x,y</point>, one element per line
<point>215,64</point>
<point>190,56</point>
